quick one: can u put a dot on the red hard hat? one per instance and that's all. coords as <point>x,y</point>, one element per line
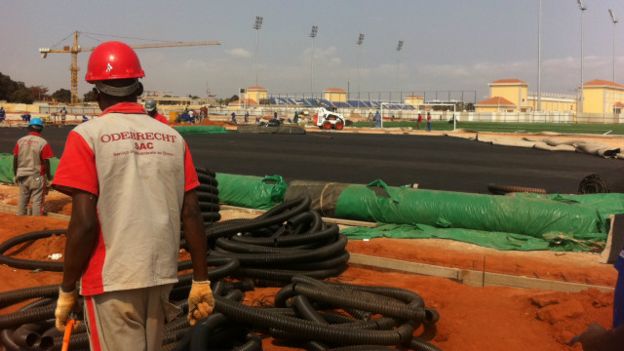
<point>113,60</point>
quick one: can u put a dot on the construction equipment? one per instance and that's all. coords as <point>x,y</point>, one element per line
<point>326,119</point>
<point>75,49</point>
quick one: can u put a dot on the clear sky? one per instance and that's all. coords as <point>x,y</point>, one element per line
<point>449,44</point>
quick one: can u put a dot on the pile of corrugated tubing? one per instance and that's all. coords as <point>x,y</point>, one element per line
<point>288,246</point>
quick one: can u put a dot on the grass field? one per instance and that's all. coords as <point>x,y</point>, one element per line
<point>510,127</point>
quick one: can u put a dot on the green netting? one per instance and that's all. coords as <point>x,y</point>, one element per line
<point>605,204</point>
<point>533,216</point>
<point>6,167</point>
<point>186,130</point>
<point>250,191</point>
<point>494,240</point>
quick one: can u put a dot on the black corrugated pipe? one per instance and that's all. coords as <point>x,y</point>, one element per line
<point>289,240</point>
<point>360,300</point>
<point>310,330</point>
<point>253,343</point>
<point>227,228</point>
<point>331,250</point>
<point>406,296</point>
<point>27,335</point>
<point>29,264</point>
<point>270,276</point>
<point>6,340</point>
<point>421,345</point>
<point>15,319</point>
<point>11,297</point>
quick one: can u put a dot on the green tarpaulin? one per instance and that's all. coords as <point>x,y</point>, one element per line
<point>6,167</point>
<point>250,191</point>
<point>533,216</point>
<point>494,240</point>
<point>186,130</point>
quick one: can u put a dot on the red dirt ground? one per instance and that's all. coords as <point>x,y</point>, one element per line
<point>54,202</point>
<point>490,318</point>
<point>570,267</point>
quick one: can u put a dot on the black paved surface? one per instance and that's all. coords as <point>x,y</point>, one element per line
<point>433,162</point>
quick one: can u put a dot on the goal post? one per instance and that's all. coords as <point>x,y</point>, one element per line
<point>454,106</point>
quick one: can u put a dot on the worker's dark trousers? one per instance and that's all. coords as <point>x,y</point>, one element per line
<point>618,304</point>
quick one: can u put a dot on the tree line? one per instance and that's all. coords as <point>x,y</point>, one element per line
<point>18,92</point>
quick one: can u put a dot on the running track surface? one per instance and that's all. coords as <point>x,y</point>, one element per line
<point>442,163</point>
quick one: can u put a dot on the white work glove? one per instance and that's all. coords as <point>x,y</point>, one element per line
<point>64,307</point>
<point>200,301</point>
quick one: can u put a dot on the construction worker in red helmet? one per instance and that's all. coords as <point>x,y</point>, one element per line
<point>132,181</point>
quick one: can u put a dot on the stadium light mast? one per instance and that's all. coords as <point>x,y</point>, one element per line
<point>359,43</point>
<point>583,8</point>
<point>539,57</point>
<point>313,34</point>
<point>257,26</point>
<point>398,82</point>
<point>615,22</point>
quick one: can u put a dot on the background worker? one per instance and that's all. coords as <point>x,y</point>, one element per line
<point>597,338</point>
<point>428,121</point>
<point>132,181</point>
<point>152,111</point>
<point>2,114</point>
<point>63,113</point>
<point>377,119</point>
<point>31,168</point>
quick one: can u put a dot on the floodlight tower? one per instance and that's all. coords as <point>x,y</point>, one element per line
<point>257,26</point>
<point>398,49</point>
<point>583,8</point>
<point>313,34</point>
<point>615,21</point>
<point>359,43</point>
<point>539,57</point>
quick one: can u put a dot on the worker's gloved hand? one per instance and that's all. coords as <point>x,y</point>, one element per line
<point>64,306</point>
<point>200,301</point>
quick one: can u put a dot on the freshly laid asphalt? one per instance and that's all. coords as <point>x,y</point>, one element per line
<point>442,163</point>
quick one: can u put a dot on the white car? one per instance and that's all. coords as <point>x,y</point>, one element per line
<point>326,119</point>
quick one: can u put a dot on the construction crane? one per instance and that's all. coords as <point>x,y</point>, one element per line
<point>75,49</point>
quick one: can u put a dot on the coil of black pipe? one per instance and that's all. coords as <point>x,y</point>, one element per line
<point>604,182</point>
<point>208,195</point>
<point>288,240</point>
<point>309,327</point>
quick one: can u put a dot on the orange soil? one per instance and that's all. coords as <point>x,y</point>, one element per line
<point>491,318</point>
<point>54,202</point>
<point>10,226</point>
<point>570,267</point>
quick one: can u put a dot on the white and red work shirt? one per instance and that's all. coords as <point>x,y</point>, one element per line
<point>31,150</point>
<point>139,169</point>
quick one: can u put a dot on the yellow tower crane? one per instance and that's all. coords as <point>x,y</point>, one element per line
<point>75,49</point>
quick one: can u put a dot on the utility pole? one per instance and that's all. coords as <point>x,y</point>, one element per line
<point>398,77</point>
<point>359,43</point>
<point>539,57</point>
<point>615,22</point>
<point>257,26</point>
<point>313,34</point>
<point>583,8</point>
